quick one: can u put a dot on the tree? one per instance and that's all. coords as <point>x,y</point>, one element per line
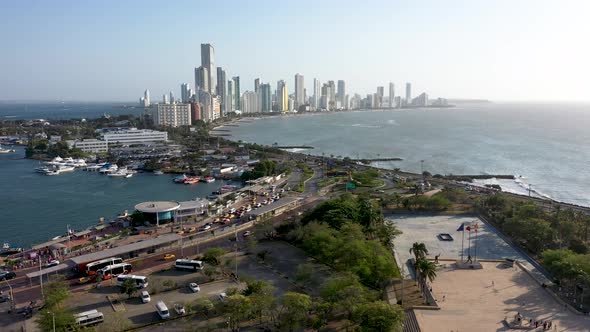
<point>419,250</point>
<point>212,255</point>
<point>426,271</point>
<point>64,319</point>
<point>294,310</point>
<point>261,295</point>
<point>128,287</point>
<point>202,305</point>
<point>235,308</point>
<point>379,316</point>
<point>56,292</point>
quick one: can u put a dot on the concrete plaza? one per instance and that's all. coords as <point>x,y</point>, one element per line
<point>470,302</point>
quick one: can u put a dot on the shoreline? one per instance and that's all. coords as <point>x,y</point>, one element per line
<point>542,198</point>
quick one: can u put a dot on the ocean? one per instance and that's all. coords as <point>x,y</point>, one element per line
<point>546,146</point>
<point>35,207</point>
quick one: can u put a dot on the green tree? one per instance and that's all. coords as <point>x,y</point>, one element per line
<point>261,295</point>
<point>128,287</point>
<point>56,292</point>
<point>426,270</point>
<point>202,305</point>
<point>213,255</point>
<point>419,250</point>
<point>64,319</point>
<point>294,310</point>
<point>379,316</point>
<point>235,308</point>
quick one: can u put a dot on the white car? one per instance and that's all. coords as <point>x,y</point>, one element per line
<point>232,211</point>
<point>145,297</point>
<point>206,227</point>
<point>52,263</point>
<point>222,296</point>
<point>194,287</point>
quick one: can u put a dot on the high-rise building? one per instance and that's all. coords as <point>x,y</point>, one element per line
<point>391,95</point>
<point>282,96</point>
<point>236,80</point>
<point>208,62</point>
<point>299,90</point>
<point>331,95</point>
<point>256,85</point>
<point>265,97</point>
<point>221,89</point>
<point>184,93</point>
<point>341,93</point>
<point>421,100</point>
<point>250,102</point>
<point>317,94</point>
<point>230,101</point>
<point>408,93</point>
<point>172,115</point>
<point>206,102</point>
<point>172,99</point>
<point>215,107</point>
<point>165,99</point>
<point>146,97</point>
<point>201,79</point>
<point>379,97</point>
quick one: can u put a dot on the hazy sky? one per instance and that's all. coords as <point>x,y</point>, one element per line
<point>113,50</point>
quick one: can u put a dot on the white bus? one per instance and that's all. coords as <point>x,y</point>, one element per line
<point>188,264</point>
<point>92,268</point>
<point>88,318</point>
<point>140,281</point>
<point>111,271</point>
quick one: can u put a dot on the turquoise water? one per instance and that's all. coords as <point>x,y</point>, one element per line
<point>547,145</point>
<point>36,208</point>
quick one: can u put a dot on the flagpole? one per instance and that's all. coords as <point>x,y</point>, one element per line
<point>476,231</point>
<point>462,247</point>
<point>469,249</point>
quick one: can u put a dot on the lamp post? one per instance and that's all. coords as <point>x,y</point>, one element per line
<point>52,319</point>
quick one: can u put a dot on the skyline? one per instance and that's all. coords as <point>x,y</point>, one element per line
<point>525,51</point>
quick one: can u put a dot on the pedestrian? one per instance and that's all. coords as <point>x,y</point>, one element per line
<point>544,325</point>
<point>492,284</point>
<point>550,324</point>
<point>444,296</point>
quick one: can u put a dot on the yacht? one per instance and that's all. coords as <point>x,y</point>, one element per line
<point>64,168</point>
<point>158,172</point>
<point>108,168</point>
<point>121,172</point>
<point>208,179</point>
<point>2,150</point>
<point>8,250</point>
<point>95,167</point>
<point>56,161</point>
<point>180,179</point>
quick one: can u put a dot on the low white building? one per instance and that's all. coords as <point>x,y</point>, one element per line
<point>132,136</point>
<point>89,145</point>
<point>172,115</point>
<point>191,209</point>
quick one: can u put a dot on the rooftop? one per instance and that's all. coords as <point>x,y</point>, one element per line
<point>117,251</point>
<point>158,206</point>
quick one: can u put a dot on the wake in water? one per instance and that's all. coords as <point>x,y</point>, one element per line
<point>517,186</point>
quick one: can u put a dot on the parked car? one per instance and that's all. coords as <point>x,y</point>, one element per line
<point>52,263</point>
<point>247,233</point>
<point>4,298</point>
<point>194,287</point>
<point>7,275</point>
<point>145,297</point>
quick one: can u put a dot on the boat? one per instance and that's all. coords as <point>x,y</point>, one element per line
<point>192,180</point>
<point>52,172</point>
<point>121,172</point>
<point>62,169</point>
<point>8,250</point>
<point>180,179</point>
<point>2,150</point>
<point>56,161</point>
<point>108,168</point>
<point>208,179</point>
<point>228,188</point>
<point>95,167</point>
<point>158,172</point>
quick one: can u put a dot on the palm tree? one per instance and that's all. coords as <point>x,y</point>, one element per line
<point>419,250</point>
<point>426,270</point>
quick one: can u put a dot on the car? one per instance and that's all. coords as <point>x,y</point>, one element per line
<point>232,210</point>
<point>4,298</point>
<point>258,205</point>
<point>169,256</point>
<point>206,227</point>
<point>52,263</point>
<point>192,229</point>
<point>145,297</point>
<point>179,308</point>
<point>222,296</point>
<point>194,287</point>
<point>7,275</point>
<point>247,233</point>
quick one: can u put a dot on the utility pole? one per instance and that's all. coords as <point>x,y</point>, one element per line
<point>529,190</point>
<point>12,306</point>
<point>236,258</point>
<point>41,279</point>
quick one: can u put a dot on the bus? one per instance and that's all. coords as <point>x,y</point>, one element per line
<point>88,318</point>
<point>188,264</point>
<point>111,271</point>
<point>140,281</point>
<point>92,268</point>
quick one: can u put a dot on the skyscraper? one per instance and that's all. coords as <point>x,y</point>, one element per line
<point>236,80</point>
<point>221,89</point>
<point>172,99</point>
<point>185,92</point>
<point>299,91</point>
<point>208,62</point>
<point>379,97</point>
<point>201,77</point>
<point>341,92</point>
<point>391,95</point>
<point>146,98</point>
<point>256,85</point>
<point>408,93</point>
<point>331,95</point>
<point>230,107</point>
<point>165,99</point>
<point>282,96</point>
<point>266,97</point>
<point>317,94</point>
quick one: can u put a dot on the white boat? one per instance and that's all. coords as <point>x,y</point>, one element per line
<point>158,173</point>
<point>2,150</point>
<point>108,168</point>
<point>94,168</point>
<point>52,172</point>
<point>56,161</point>
<point>122,172</point>
<point>62,169</point>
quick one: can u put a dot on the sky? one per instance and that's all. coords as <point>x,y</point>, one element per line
<point>113,50</point>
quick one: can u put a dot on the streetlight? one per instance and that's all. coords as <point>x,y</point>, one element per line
<point>52,318</point>
<point>12,306</point>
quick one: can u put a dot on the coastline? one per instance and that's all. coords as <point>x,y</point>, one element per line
<point>537,196</point>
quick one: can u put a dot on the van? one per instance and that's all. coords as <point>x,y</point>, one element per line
<point>162,310</point>
<point>145,297</point>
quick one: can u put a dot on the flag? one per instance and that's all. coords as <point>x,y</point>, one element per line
<point>460,229</point>
<point>468,228</point>
<point>476,227</point>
